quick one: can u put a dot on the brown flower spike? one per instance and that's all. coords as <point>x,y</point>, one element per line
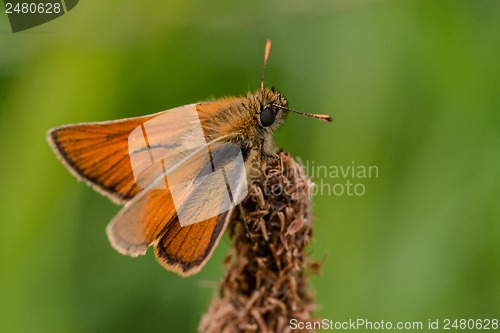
<point>265,285</point>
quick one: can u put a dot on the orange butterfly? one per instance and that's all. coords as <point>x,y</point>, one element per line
<point>179,173</point>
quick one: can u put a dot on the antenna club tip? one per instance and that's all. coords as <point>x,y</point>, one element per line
<point>324,117</point>
<point>266,56</point>
<point>267,49</point>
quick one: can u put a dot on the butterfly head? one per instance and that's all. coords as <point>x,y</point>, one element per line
<point>270,107</point>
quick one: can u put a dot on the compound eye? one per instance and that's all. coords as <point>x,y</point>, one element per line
<point>267,117</point>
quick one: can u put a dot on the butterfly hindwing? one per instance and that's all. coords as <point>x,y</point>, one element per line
<point>185,250</point>
<point>141,222</point>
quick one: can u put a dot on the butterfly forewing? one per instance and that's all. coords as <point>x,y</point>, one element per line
<point>98,154</point>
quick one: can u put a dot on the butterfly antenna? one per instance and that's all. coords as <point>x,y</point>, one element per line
<point>266,56</point>
<point>323,117</point>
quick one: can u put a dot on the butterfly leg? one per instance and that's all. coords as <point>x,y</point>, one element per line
<point>281,165</point>
<point>244,220</point>
<point>268,156</point>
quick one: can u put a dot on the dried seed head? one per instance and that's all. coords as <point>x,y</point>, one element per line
<point>265,285</point>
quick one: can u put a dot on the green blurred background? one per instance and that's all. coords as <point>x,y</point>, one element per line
<point>414,87</point>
